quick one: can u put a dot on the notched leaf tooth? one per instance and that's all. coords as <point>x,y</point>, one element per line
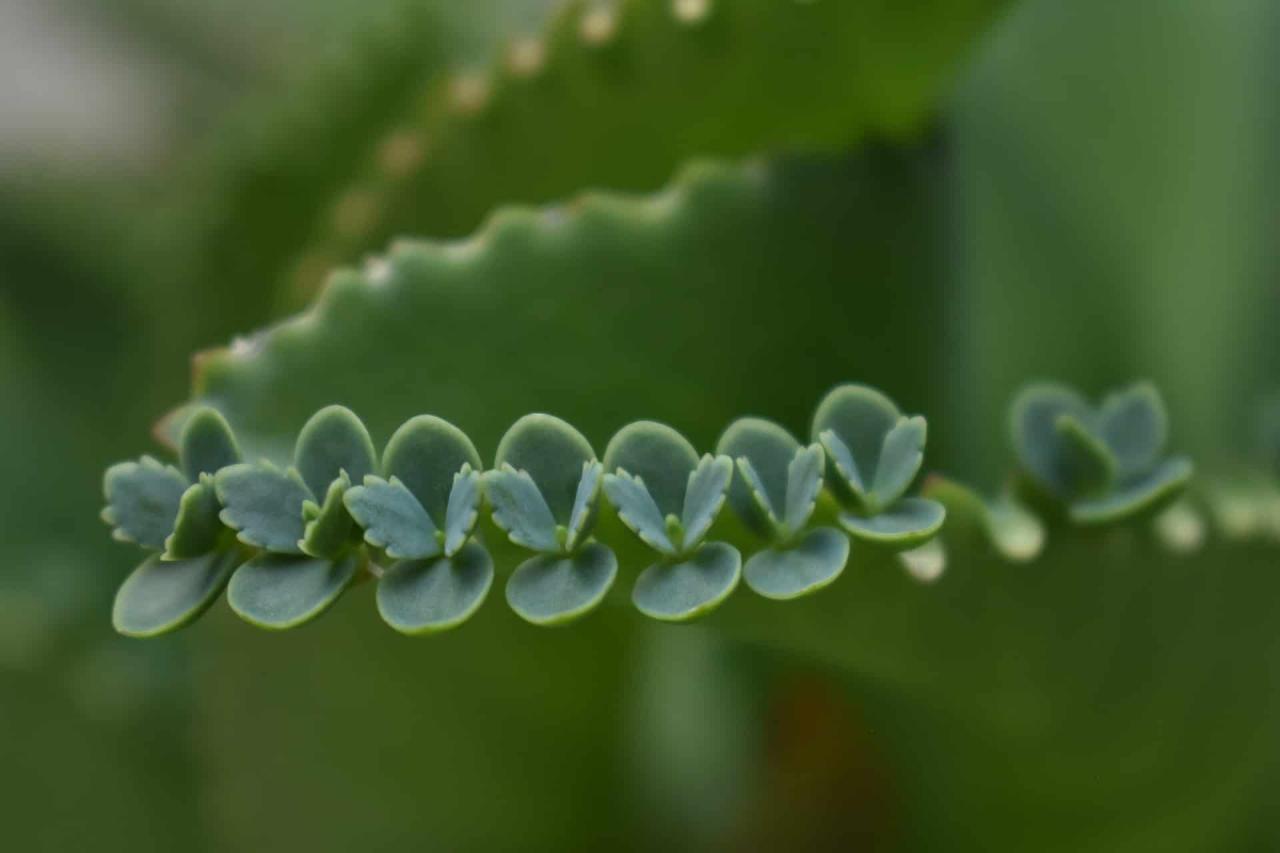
<point>638,510</point>
<point>704,497</point>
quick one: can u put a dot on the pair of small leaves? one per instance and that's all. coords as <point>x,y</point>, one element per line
<point>166,509</point>
<point>543,493</point>
<point>776,471</point>
<point>1104,463</point>
<point>877,452</point>
<point>423,515</point>
<point>670,498</point>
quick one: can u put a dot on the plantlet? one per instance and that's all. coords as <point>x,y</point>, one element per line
<point>775,494</point>
<point>877,452</point>
<point>1102,464</point>
<point>543,493</point>
<point>669,498</point>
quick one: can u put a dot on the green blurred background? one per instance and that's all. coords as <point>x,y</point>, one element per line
<point>1092,197</point>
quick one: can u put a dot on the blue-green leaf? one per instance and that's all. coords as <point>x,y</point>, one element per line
<point>900,458</point>
<point>1135,426</point>
<point>463,510</point>
<point>424,454</point>
<point>428,596</point>
<point>333,440</point>
<point>804,481</point>
<point>768,450</point>
<point>1086,462</point>
<point>1037,440</point>
<point>1148,492</point>
<point>207,444</point>
<point>520,510</point>
<point>861,417</point>
<point>658,455</point>
<point>142,501</point>
<point>638,510</point>
<point>908,523</point>
<point>584,504</point>
<point>159,597</point>
<point>392,519</point>
<point>329,528</point>
<point>806,567</point>
<point>689,587</point>
<point>703,498</point>
<point>279,591</point>
<point>264,504</point>
<point>552,453</point>
<point>197,528</point>
<point>850,481</point>
<point>553,590</point>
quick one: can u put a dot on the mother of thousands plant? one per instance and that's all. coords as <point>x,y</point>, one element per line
<point>292,540</point>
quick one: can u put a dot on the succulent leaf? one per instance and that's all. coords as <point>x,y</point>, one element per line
<point>850,482</point>
<point>520,510</point>
<point>331,529</point>
<point>143,499</point>
<point>761,491</point>
<point>703,498</point>
<point>1146,493</point>
<point>554,589</point>
<point>425,453</point>
<point>901,455</point>
<point>908,523</point>
<point>689,587</point>
<point>551,453</point>
<point>392,519</point>
<point>811,564</point>
<point>804,481</point>
<point>1135,426</point>
<point>638,510</point>
<point>659,456</point>
<point>428,596</point>
<point>264,505</point>
<point>163,596</point>
<point>197,528</point>
<point>1038,440</point>
<point>463,510</point>
<point>282,591</point>
<point>331,441</point>
<point>860,417</point>
<point>584,504</point>
<point>207,444</point>
<point>1086,462</point>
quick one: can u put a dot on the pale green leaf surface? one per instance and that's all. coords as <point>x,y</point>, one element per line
<point>1147,492</point>
<point>658,455</point>
<point>768,450</point>
<point>207,444</point>
<point>704,497</point>
<point>425,452</point>
<point>331,530</point>
<point>143,498</point>
<point>392,519</point>
<point>584,504</point>
<point>901,455</point>
<point>264,505</point>
<point>812,563</point>
<point>639,512</point>
<point>159,597</point>
<point>1135,426</point>
<point>908,523</point>
<point>552,453</point>
<point>333,440</point>
<point>463,510</point>
<point>693,585</point>
<point>804,481</point>
<point>282,591</point>
<point>428,596</point>
<point>520,510</point>
<point>1086,463</point>
<point>861,417</point>
<point>197,528</point>
<point>553,589</point>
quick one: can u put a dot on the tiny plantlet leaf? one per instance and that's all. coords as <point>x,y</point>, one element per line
<point>551,453</point>
<point>659,456</point>
<point>197,528</point>
<point>704,497</point>
<point>638,510</point>
<point>463,509</point>
<point>264,505</point>
<point>392,519</point>
<point>143,499</point>
<point>552,589</point>
<point>1135,426</point>
<point>850,482</point>
<point>908,523</point>
<point>424,454</point>
<point>768,450</point>
<point>159,597</point>
<point>1037,439</point>
<point>804,481</point>
<point>1087,465</point>
<point>584,504</point>
<point>1146,494</point>
<point>331,531</point>
<point>689,587</point>
<point>861,417</point>
<point>811,564</point>
<point>282,591</point>
<point>331,441</point>
<point>428,596</point>
<point>207,444</point>
<point>901,455</point>
<point>520,510</point>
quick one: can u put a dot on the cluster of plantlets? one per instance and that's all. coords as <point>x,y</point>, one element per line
<point>287,542</point>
